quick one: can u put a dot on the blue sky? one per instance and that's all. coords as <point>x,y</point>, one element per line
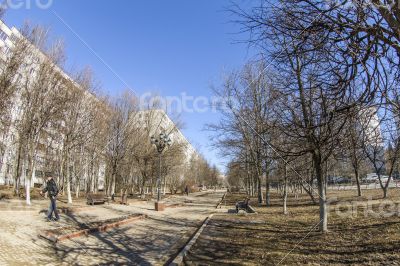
<point>168,47</point>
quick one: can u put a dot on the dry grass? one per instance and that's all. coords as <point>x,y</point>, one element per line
<point>271,238</point>
<point>7,192</point>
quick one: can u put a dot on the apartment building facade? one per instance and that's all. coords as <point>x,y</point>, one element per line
<point>50,141</point>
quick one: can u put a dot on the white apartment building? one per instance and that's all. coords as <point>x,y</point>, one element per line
<point>162,123</point>
<point>8,137</point>
<point>8,38</point>
<point>156,122</point>
<point>370,123</point>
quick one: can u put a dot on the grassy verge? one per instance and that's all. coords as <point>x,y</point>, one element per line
<point>355,237</point>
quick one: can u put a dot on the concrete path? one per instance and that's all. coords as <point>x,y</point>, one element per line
<point>151,241</point>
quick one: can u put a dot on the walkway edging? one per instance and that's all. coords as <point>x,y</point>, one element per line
<point>178,260</point>
<point>102,228</point>
<point>220,202</point>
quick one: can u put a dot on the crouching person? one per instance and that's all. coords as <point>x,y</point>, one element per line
<point>52,190</point>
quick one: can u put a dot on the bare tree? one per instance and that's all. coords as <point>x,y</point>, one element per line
<point>358,38</point>
<point>352,145</point>
<point>78,127</point>
<point>382,142</point>
<point>246,123</point>
<point>122,127</point>
<point>318,52</point>
<point>42,96</point>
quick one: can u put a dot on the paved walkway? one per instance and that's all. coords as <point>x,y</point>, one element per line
<point>151,241</point>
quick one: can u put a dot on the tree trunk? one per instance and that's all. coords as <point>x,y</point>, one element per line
<point>113,179</point>
<point>247,183</point>
<point>259,190</point>
<point>77,189</point>
<point>268,194</point>
<point>28,191</point>
<point>113,184</point>
<point>165,186</point>
<point>108,186</point>
<point>285,191</point>
<point>267,185</point>
<point>358,182</point>
<point>24,179</point>
<point>17,170</point>
<point>68,177</point>
<point>60,173</point>
<point>69,190</point>
<point>142,195</point>
<point>323,208</point>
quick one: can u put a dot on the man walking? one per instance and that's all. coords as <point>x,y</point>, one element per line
<point>51,188</point>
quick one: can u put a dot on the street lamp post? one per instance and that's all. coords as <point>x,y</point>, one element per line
<point>161,142</point>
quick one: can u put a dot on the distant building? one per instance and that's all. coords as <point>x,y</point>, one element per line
<point>162,123</point>
<point>370,124</point>
<point>373,139</point>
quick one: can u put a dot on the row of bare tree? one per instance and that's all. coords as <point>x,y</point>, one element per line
<point>324,93</point>
<point>57,124</point>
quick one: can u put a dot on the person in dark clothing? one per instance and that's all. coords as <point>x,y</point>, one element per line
<point>187,191</point>
<point>52,190</point>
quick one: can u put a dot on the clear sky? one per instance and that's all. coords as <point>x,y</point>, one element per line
<point>169,47</point>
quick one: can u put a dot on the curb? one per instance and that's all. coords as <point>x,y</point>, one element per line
<point>102,228</point>
<point>67,210</point>
<point>178,260</point>
<point>252,210</point>
<point>220,202</point>
<point>176,205</point>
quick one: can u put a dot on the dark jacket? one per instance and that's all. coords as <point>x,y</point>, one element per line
<point>51,187</point>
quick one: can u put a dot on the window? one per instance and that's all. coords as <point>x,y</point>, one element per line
<point>38,174</point>
<point>3,35</point>
<point>14,38</point>
<point>5,49</point>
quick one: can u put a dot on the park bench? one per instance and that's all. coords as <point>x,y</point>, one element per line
<point>96,198</point>
<point>242,205</point>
